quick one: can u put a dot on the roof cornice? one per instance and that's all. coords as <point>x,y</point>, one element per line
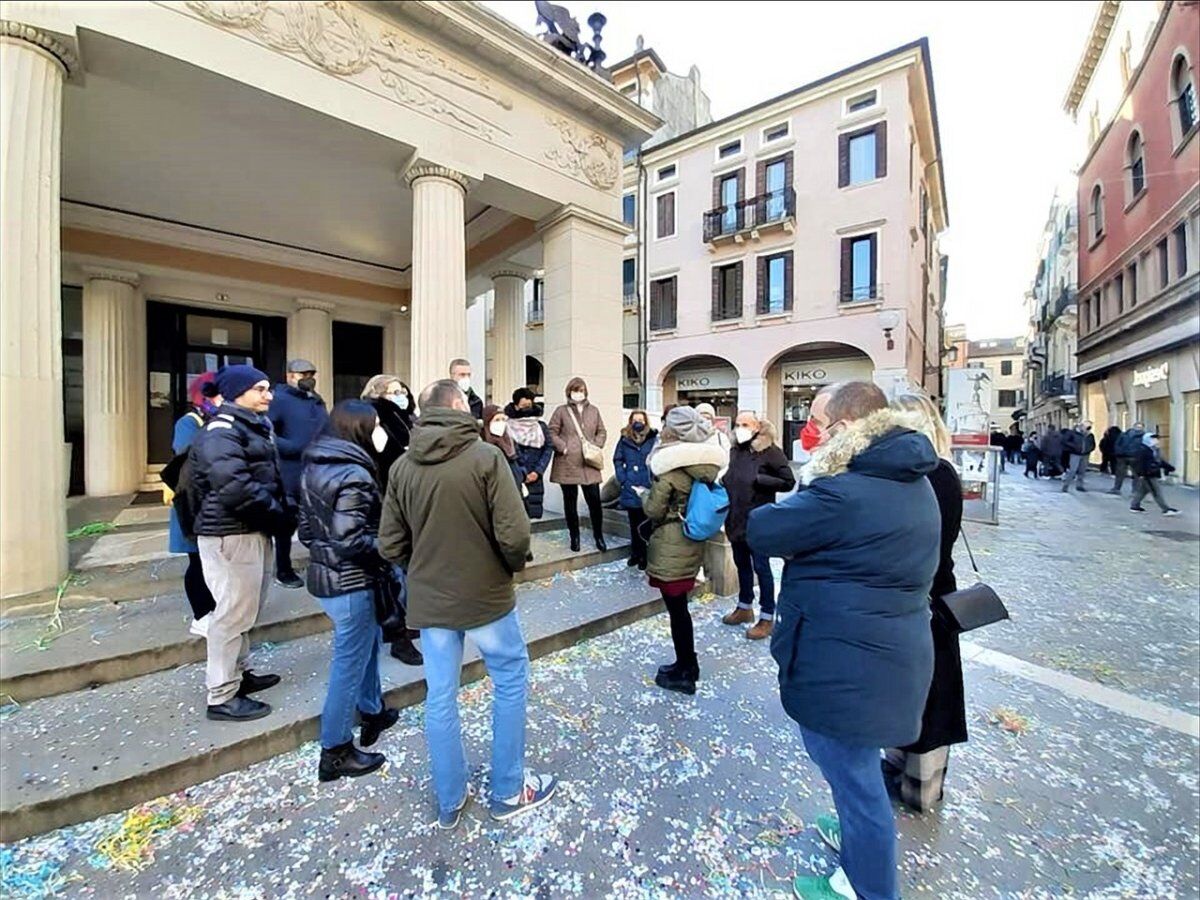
<point>1098,35</point>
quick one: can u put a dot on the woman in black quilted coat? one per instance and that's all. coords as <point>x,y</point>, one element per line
<point>340,504</point>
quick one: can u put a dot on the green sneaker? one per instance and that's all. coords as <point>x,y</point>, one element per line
<point>810,887</point>
<point>830,830</point>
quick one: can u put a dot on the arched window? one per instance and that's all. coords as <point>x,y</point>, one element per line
<point>1135,161</point>
<point>1096,212</point>
<point>1183,93</point>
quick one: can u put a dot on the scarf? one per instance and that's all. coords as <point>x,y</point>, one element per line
<point>526,432</point>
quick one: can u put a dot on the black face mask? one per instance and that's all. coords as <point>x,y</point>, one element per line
<point>307,384</point>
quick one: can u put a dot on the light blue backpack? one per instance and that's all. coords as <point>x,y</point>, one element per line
<point>707,508</point>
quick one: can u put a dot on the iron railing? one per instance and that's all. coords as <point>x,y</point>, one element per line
<point>1059,385</point>
<point>630,299</point>
<point>871,294</point>
<point>753,212</point>
<point>534,314</point>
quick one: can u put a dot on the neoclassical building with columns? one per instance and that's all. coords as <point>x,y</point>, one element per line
<point>188,184</point>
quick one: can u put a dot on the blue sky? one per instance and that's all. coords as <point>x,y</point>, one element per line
<point>1000,73</point>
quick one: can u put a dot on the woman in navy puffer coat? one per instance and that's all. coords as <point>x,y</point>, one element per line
<point>631,460</point>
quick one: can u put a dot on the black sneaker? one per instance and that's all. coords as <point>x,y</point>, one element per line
<point>375,724</point>
<point>679,680</point>
<point>238,709</point>
<point>1137,509</point>
<point>347,761</point>
<point>289,580</point>
<point>404,651</point>
<point>252,683</point>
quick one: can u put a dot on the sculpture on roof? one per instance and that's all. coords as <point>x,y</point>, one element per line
<point>562,33</point>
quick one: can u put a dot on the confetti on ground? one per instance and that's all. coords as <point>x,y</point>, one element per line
<point>131,847</point>
<point>1010,721</point>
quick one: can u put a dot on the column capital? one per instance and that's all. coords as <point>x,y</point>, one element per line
<point>573,212</point>
<point>510,273</point>
<point>43,40</point>
<point>321,305</point>
<point>100,273</point>
<point>428,170</point>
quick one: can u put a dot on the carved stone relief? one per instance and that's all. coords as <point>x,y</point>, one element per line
<point>332,36</point>
<point>584,153</point>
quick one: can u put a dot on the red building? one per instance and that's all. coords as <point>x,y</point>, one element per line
<point>1139,260</point>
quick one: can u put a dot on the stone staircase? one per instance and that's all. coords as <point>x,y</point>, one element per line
<point>111,712</point>
<point>151,481</point>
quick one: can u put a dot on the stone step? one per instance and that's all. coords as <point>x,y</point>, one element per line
<point>104,643</point>
<point>73,757</point>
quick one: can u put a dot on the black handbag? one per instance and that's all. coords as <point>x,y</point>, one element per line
<point>975,606</point>
<point>391,601</point>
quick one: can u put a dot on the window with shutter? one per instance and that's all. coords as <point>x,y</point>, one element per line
<point>774,289</point>
<point>881,150</point>
<point>727,292</point>
<point>666,214</point>
<point>859,268</point>
<point>662,304</point>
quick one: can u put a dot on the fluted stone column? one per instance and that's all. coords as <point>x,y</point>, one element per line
<point>33,521</point>
<point>583,315</point>
<point>113,395</point>
<point>439,272</point>
<point>508,336</point>
<point>310,336</point>
<point>396,347</point>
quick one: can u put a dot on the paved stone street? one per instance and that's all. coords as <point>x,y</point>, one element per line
<point>1070,786</point>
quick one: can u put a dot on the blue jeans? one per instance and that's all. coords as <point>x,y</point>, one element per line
<point>864,811</point>
<point>748,565</point>
<point>354,672</point>
<point>502,647</point>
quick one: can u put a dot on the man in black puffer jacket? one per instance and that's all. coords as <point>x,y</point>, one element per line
<point>238,496</point>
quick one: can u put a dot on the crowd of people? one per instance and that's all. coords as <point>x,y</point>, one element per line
<point>436,493</point>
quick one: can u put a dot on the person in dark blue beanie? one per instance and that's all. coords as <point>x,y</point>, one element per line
<point>237,493</point>
<point>298,414</point>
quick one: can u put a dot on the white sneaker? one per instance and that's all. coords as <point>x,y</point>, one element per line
<point>841,884</point>
<point>199,627</point>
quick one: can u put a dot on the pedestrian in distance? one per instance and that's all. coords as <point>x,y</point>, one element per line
<point>684,456</point>
<point>460,374</point>
<point>1050,451</point>
<point>1128,449</point>
<point>1031,454</point>
<point>1013,441</point>
<point>397,410</point>
<point>453,518</point>
<point>918,770</point>
<point>1079,443</point>
<point>996,439</point>
<point>573,423</point>
<point>1150,469</point>
<point>631,462</point>
<point>1108,449</point>
<point>340,506</point>
<point>861,548</point>
<point>237,493</point>
<point>204,400</point>
<point>298,415</point>
<point>758,470</point>
<point>534,448</point>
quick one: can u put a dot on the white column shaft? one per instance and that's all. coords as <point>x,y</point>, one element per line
<point>33,523</point>
<point>113,398</point>
<point>397,351</point>
<point>752,395</point>
<point>310,336</point>
<point>439,278</point>
<point>508,338</point>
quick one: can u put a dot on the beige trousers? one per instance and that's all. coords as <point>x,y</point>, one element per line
<point>237,570</point>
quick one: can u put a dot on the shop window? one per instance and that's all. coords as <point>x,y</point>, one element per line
<point>662,304</point>
<point>774,284</point>
<point>666,214</point>
<point>727,292</point>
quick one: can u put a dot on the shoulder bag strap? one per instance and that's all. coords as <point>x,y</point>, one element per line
<point>578,426</point>
<point>962,534</point>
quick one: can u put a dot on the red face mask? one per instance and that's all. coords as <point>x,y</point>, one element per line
<point>810,435</point>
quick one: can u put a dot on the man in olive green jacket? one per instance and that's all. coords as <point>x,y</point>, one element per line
<point>453,517</point>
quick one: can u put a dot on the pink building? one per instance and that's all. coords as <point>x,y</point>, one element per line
<point>1139,265</point>
<point>794,244</point>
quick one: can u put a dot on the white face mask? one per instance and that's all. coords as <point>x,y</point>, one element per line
<point>742,434</point>
<point>401,400</point>
<point>379,438</point>
<point>578,396</point>
<point>464,383</point>
<point>498,428</point>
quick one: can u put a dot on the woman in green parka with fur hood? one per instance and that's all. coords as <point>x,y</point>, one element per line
<point>682,458</point>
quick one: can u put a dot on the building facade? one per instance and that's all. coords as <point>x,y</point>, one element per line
<point>188,184</point>
<point>1004,361</point>
<point>1052,398</point>
<point>1139,263</point>
<point>791,245</point>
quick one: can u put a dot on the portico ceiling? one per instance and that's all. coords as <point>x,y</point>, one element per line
<point>152,136</point>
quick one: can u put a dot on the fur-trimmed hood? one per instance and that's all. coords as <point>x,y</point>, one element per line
<point>767,435</point>
<point>683,455</point>
<point>886,444</point>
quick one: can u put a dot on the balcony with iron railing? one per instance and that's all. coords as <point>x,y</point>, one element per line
<point>750,216</point>
<point>864,294</point>
<point>630,298</point>
<point>534,315</point>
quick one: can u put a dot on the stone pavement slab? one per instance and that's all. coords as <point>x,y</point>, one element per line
<point>665,796</point>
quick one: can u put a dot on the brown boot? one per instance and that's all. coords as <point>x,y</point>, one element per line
<point>762,630</point>
<point>739,617</point>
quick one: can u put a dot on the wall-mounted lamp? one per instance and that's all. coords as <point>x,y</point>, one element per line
<point>889,320</point>
<point>404,309</point>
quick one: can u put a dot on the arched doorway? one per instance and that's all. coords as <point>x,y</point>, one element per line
<point>795,377</point>
<point>533,374</point>
<point>703,379</point>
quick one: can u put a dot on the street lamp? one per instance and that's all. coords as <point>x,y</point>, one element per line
<point>889,320</point>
